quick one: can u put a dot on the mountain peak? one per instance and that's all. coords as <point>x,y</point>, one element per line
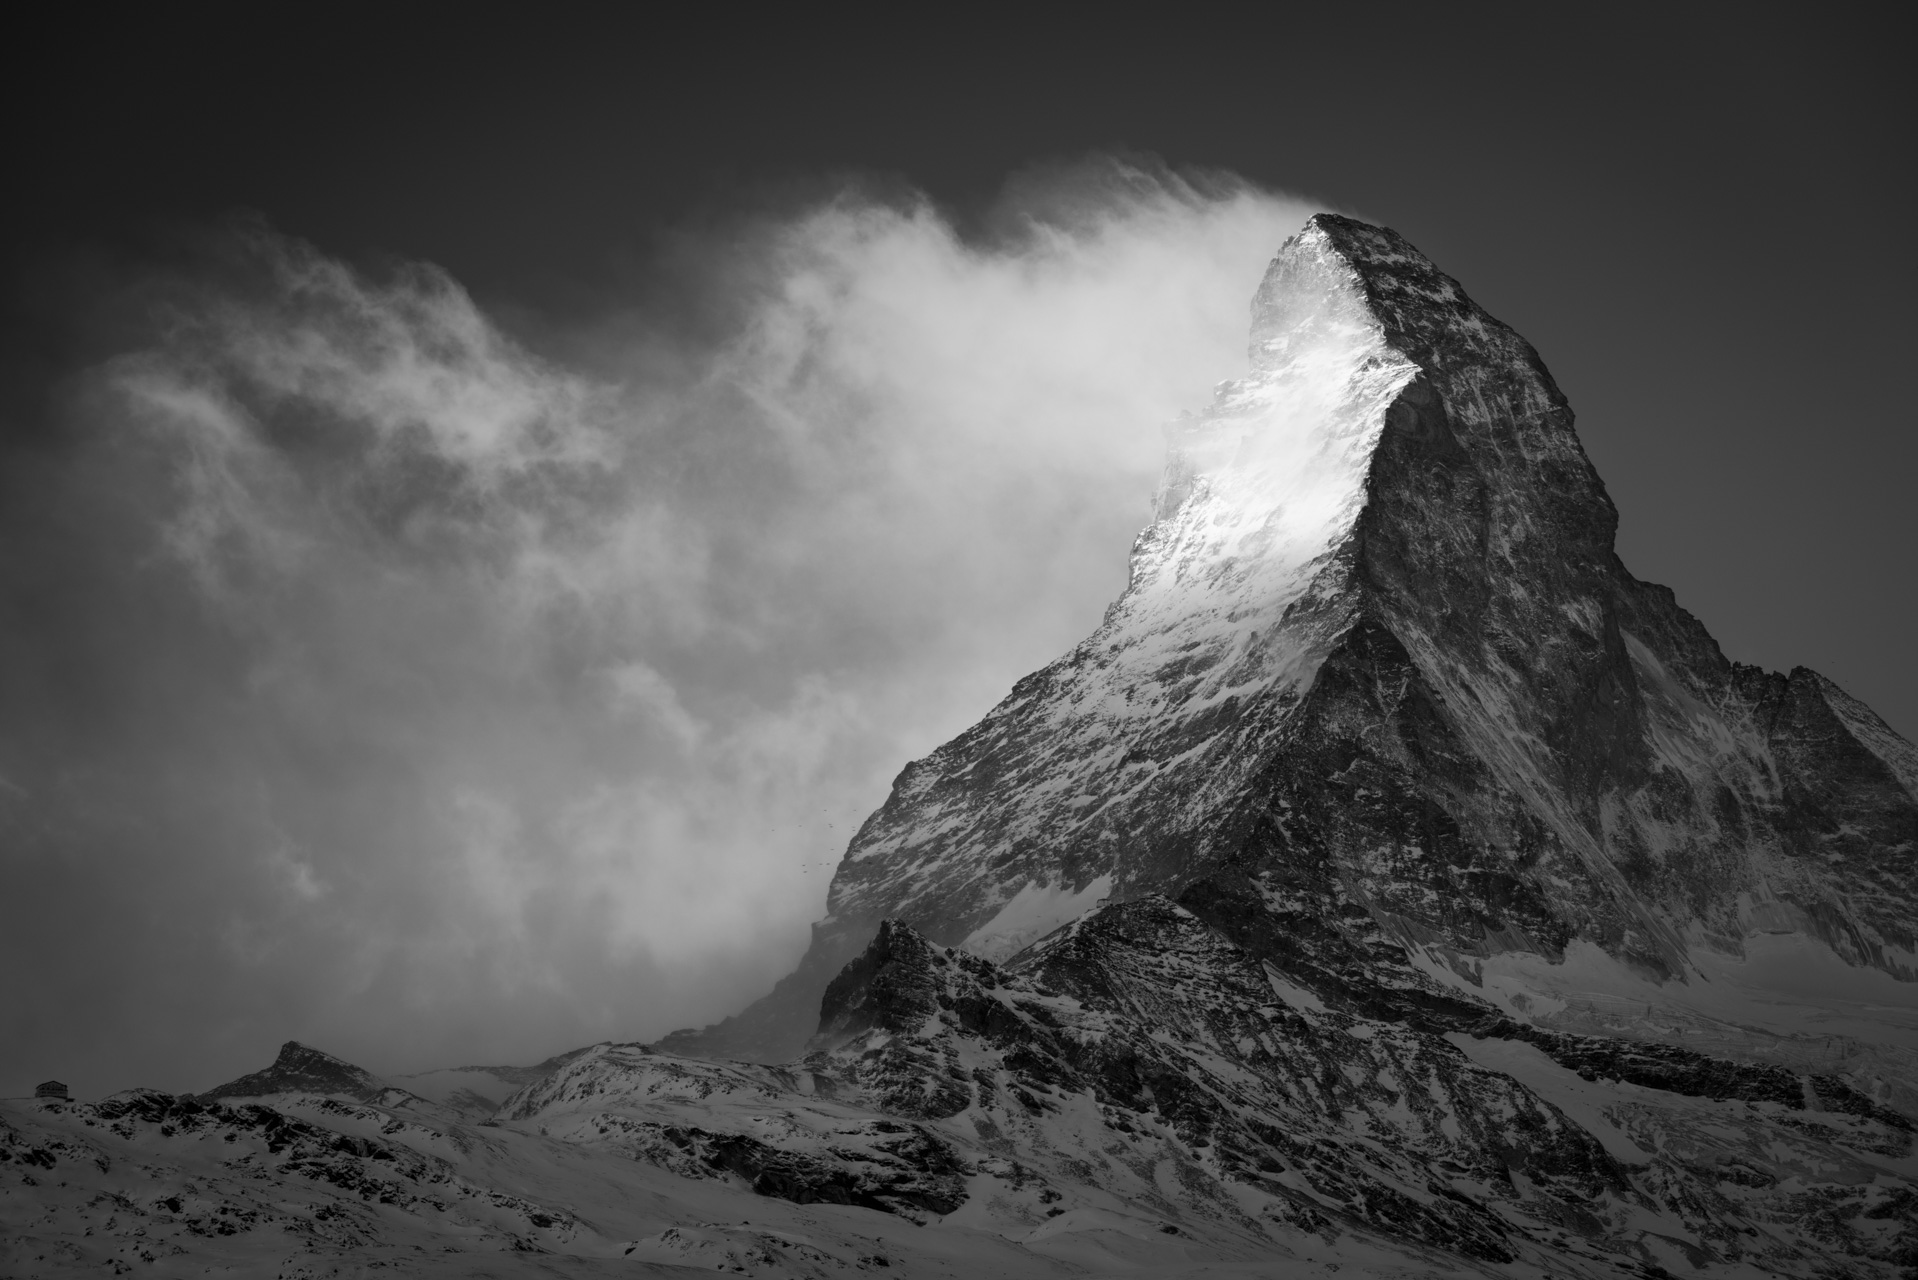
<point>300,1068</point>
<point>1380,693</point>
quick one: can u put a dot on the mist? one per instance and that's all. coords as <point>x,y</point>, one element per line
<point>443,687</point>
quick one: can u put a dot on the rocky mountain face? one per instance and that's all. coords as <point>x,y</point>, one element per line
<point>1380,690</point>
<point>1392,885</point>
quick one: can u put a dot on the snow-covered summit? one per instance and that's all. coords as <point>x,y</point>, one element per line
<point>1380,687</point>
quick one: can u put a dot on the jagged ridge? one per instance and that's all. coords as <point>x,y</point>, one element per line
<point>1380,688</point>
<point>301,1068</point>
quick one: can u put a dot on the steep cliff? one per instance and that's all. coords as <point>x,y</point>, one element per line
<point>1381,694</point>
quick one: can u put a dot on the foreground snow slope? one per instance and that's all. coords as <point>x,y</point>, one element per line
<point>1135,1096</point>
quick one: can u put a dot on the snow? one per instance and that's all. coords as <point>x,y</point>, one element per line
<point>1584,1102</point>
<point>1223,607</point>
<point>1292,993</point>
<point>1788,1000</point>
<point>474,1089</point>
<point>1034,912</point>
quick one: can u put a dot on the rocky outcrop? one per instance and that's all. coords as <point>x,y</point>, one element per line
<point>303,1069</point>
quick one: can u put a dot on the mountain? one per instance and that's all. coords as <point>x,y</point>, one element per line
<point>302,1069</point>
<point>1392,885</point>
<point>1380,698</point>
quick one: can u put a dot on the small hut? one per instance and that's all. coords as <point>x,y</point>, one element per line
<point>51,1089</point>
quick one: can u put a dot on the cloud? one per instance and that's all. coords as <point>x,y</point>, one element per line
<point>472,702</point>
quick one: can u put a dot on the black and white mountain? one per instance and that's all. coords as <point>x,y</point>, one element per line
<point>1380,687</point>
<point>1392,885</point>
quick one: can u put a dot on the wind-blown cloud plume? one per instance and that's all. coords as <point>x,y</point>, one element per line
<point>378,681</point>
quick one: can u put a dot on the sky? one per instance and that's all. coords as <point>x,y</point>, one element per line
<point>487,508</point>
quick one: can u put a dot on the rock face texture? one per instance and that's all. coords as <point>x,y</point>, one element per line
<point>1380,690</point>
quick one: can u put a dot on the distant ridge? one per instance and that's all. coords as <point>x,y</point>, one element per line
<point>301,1068</point>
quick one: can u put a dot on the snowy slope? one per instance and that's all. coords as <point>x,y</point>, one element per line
<point>1137,1095</point>
<point>147,1183</point>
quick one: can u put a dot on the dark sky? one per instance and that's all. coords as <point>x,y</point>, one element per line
<point>1702,221</point>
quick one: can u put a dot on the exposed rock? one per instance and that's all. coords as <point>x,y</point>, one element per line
<point>303,1069</point>
<point>1379,678</point>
